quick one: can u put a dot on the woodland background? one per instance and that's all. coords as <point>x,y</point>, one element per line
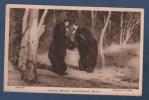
<point>120,47</point>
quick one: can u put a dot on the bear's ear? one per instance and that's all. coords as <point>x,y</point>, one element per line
<point>82,37</point>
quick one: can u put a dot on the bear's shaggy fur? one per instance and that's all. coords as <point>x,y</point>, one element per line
<point>57,50</point>
<point>88,50</point>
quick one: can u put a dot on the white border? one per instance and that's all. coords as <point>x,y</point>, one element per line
<point>64,90</point>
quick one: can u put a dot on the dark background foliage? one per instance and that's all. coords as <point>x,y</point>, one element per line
<point>56,16</point>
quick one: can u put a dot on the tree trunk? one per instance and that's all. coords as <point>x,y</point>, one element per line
<point>127,28</point>
<point>24,43</point>
<point>29,45</point>
<point>109,27</point>
<point>93,18</point>
<point>80,20</point>
<point>130,31</point>
<point>127,36</point>
<point>101,41</point>
<point>25,17</point>
<point>29,72</point>
<point>121,34</point>
<point>54,17</point>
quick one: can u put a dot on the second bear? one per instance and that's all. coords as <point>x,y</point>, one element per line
<point>88,49</point>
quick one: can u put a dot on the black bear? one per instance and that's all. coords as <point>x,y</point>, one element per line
<point>57,50</point>
<point>88,49</point>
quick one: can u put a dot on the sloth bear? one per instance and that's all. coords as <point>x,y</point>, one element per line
<point>57,50</point>
<point>88,49</point>
<point>83,41</point>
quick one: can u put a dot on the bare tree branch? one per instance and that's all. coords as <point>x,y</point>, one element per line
<point>101,40</point>
<point>40,26</point>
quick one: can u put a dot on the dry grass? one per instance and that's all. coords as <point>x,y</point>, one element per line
<point>113,75</point>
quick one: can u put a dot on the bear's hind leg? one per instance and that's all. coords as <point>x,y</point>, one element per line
<point>81,66</point>
<point>89,69</point>
<point>60,69</point>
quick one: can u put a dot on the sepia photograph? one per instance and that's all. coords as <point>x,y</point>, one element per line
<point>73,50</point>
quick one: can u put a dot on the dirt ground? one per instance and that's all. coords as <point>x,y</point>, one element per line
<point>105,77</point>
